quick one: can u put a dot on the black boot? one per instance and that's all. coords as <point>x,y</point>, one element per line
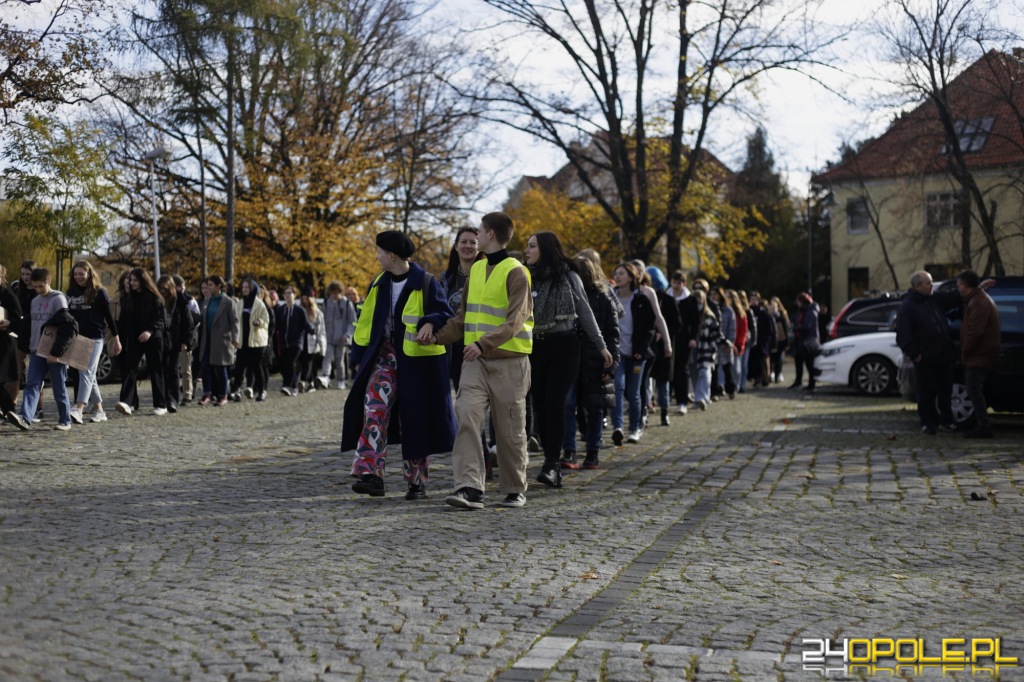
<point>417,491</point>
<point>664,417</point>
<point>591,461</point>
<point>369,484</point>
<point>569,460</point>
<point>550,475</point>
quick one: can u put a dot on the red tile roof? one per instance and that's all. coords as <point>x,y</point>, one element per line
<point>913,145</point>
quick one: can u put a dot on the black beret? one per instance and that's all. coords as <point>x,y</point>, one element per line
<point>396,242</point>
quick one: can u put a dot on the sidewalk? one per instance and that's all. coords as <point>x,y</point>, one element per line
<point>226,544</point>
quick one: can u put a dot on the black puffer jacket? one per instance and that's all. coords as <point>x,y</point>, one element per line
<point>594,389</point>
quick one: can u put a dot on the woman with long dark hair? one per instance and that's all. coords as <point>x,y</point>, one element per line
<point>89,304</point>
<point>144,309</point>
<point>559,305</point>
<point>178,332</point>
<point>463,254</point>
<point>10,323</point>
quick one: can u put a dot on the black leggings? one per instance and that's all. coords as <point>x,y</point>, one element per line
<point>555,364</point>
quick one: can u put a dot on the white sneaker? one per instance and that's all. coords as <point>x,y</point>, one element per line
<point>325,382</point>
<point>681,410</point>
<point>98,417</point>
<point>125,409</point>
<point>62,427</point>
<point>76,415</point>
<point>341,385</point>
<point>634,437</point>
<point>159,411</point>
<point>248,392</point>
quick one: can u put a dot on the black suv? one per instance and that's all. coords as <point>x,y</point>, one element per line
<point>865,315</point>
<point>1003,387</point>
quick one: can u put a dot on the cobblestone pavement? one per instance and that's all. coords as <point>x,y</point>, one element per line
<point>217,544</point>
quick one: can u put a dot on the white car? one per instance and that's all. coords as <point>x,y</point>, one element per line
<point>868,362</point>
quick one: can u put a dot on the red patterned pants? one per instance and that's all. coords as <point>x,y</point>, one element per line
<point>381,396</point>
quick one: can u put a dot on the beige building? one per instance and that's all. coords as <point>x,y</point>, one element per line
<point>898,206</point>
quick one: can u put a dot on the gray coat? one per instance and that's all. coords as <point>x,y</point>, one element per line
<point>339,320</point>
<point>224,334</point>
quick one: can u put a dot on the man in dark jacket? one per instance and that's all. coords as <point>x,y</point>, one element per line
<point>922,333</point>
<point>979,345</point>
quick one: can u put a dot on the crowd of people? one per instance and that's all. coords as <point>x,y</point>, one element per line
<point>219,345</point>
<point>544,351</point>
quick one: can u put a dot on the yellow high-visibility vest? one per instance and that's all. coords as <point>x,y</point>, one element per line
<point>487,305</point>
<point>411,314</point>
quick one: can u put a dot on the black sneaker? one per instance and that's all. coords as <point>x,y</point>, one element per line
<point>466,498</point>
<point>569,460</point>
<point>514,500</point>
<point>417,491</point>
<point>172,407</point>
<point>14,418</point>
<point>591,461</point>
<point>369,484</point>
<point>617,436</point>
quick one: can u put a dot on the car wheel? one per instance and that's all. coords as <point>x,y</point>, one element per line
<point>873,375</point>
<point>963,408</point>
<point>105,368</point>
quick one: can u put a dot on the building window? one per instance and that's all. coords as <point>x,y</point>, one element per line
<point>857,215</point>
<point>858,282</point>
<point>972,134</point>
<point>944,209</point>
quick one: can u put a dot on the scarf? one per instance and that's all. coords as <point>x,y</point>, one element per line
<point>552,300</point>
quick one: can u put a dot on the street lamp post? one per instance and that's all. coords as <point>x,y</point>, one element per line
<point>810,249</point>
<point>151,157</point>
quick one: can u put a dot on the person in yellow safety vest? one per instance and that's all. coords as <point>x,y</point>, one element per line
<point>400,393</point>
<point>496,323</point>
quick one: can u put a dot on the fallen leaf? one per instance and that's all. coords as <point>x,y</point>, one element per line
<point>898,576</point>
<point>216,538</point>
<point>589,576</point>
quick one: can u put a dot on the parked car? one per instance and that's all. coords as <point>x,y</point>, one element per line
<point>866,315</point>
<point>867,362</point>
<point>1003,388</point>
<point>107,372</point>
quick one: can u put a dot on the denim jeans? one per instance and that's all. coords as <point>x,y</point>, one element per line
<point>215,380</point>
<point>974,382</point>
<point>88,389</point>
<point>627,389</point>
<point>702,383</point>
<point>37,369</point>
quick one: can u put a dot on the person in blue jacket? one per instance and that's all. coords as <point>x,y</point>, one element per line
<point>401,392</point>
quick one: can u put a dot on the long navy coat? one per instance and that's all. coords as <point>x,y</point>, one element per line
<point>423,421</point>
